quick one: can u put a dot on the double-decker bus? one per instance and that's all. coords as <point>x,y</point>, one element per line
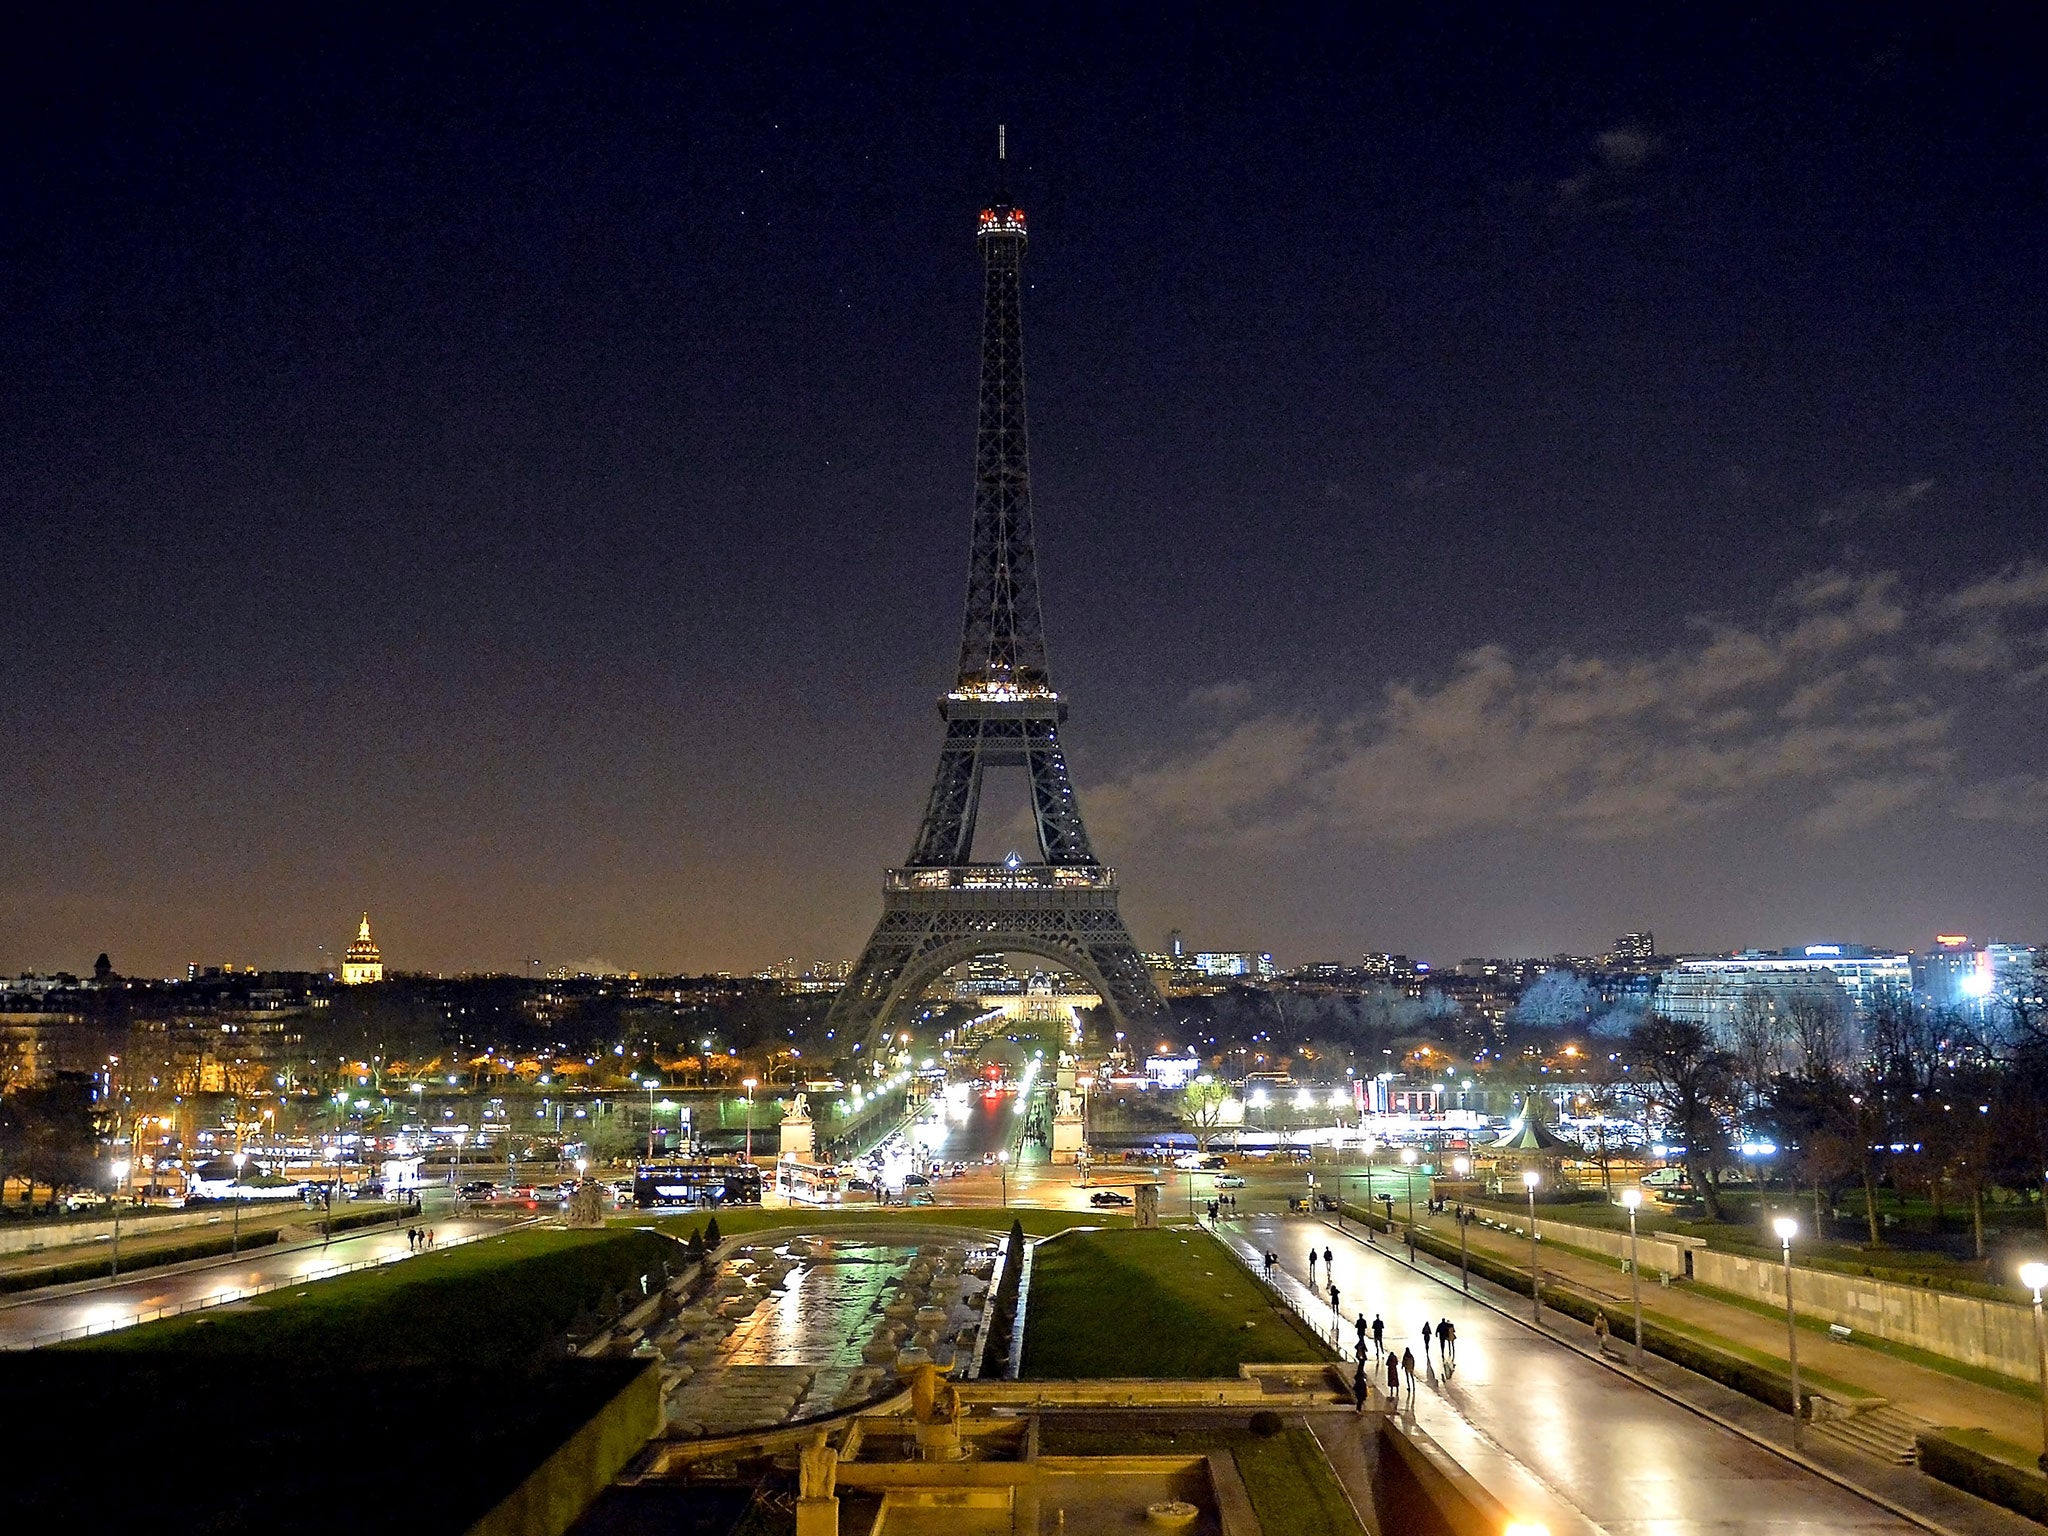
<point>807,1183</point>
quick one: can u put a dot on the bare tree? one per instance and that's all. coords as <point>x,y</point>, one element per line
<point>1691,1082</point>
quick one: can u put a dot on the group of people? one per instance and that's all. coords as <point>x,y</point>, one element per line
<point>1442,1336</point>
<point>1225,1205</point>
<point>419,1239</point>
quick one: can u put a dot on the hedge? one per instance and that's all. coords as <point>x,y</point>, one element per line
<point>1743,1376</point>
<point>1949,1460</point>
<point>148,1258</point>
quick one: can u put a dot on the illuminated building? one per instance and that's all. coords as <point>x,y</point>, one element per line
<point>1713,991</point>
<point>364,962</point>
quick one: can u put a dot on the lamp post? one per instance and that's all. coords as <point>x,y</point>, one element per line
<point>2035,1278</point>
<point>235,1241</point>
<point>1786,1227</point>
<point>1003,1163</point>
<point>455,1168</point>
<point>1463,1167</point>
<point>748,1084</point>
<point>1633,1198</point>
<point>1408,1177</point>
<point>120,1178</point>
<point>1530,1179</point>
<point>651,1081</point>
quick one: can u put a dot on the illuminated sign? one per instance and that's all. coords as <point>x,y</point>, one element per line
<point>1832,950</point>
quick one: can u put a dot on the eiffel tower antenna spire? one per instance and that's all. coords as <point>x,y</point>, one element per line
<point>1002,712</point>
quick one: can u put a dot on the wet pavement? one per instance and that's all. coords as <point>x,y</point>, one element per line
<point>1559,1438</point>
<point>104,1308</point>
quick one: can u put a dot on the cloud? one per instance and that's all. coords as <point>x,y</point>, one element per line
<point>2022,586</point>
<point>2019,800</point>
<point>1879,504</point>
<point>1810,715</point>
<point>1611,179</point>
<point>1224,698</point>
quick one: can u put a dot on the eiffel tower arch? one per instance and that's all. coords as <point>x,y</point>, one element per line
<point>939,908</point>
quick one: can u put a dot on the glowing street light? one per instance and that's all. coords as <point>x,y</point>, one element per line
<point>1003,1163</point>
<point>2035,1278</point>
<point>1787,1229</point>
<point>1408,1177</point>
<point>1530,1179</point>
<point>1633,1199</point>
<point>235,1241</point>
<point>749,1084</point>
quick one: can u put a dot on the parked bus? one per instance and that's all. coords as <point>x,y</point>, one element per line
<point>807,1183</point>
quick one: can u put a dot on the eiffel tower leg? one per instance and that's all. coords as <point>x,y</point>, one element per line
<point>1060,831</point>
<point>948,831</point>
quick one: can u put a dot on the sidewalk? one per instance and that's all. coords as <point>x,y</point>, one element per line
<point>1928,1393</point>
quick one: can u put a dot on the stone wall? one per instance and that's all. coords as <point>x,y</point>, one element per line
<point>1993,1335</point>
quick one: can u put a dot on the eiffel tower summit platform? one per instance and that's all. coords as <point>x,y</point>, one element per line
<point>939,908</point>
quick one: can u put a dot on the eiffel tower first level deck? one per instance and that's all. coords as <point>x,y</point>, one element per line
<point>940,908</point>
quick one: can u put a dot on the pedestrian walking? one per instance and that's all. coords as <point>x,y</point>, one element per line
<point>1447,1341</point>
<point>1394,1379</point>
<point>1329,1258</point>
<point>1408,1371</point>
<point>1311,1262</point>
<point>1333,1302</point>
<point>1600,1330</point>
<point>411,1237</point>
<point>1379,1330</point>
<point>1359,1387</point>
<point>1364,1332</point>
<point>1425,1338</point>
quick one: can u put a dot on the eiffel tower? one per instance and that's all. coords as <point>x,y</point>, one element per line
<point>939,908</point>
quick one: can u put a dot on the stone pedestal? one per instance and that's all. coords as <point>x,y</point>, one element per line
<point>1146,1212</point>
<point>817,1517</point>
<point>587,1205</point>
<point>799,1140</point>
<point>1069,1134</point>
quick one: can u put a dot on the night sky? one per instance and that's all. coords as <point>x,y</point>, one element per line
<point>1500,481</point>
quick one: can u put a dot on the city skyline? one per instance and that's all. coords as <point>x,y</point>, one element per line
<point>1469,525</point>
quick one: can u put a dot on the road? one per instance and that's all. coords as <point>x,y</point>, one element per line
<point>112,1306</point>
<point>1559,1438</point>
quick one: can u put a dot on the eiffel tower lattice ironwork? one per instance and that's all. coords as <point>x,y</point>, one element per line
<point>940,908</point>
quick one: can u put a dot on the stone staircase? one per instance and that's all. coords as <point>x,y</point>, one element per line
<point>1878,1430</point>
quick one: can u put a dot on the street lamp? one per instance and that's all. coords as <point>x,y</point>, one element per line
<point>749,1084</point>
<point>1462,1166</point>
<point>455,1168</point>
<point>1530,1179</point>
<point>120,1178</point>
<point>2035,1278</point>
<point>1003,1163</point>
<point>1633,1199</point>
<point>235,1241</point>
<point>653,1079</point>
<point>1786,1227</point>
<point>1408,1177</point>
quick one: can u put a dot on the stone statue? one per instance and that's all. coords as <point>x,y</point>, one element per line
<point>818,1469</point>
<point>801,1109</point>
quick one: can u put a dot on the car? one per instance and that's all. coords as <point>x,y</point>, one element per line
<point>479,1189</point>
<point>1109,1197</point>
<point>1229,1181</point>
<point>916,1181</point>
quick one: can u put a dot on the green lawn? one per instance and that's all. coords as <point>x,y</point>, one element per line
<point>740,1220</point>
<point>1163,1303</point>
<point>1287,1477</point>
<point>498,1302</point>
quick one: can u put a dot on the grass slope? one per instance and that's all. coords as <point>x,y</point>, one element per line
<point>1162,1303</point>
<point>498,1303</point>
